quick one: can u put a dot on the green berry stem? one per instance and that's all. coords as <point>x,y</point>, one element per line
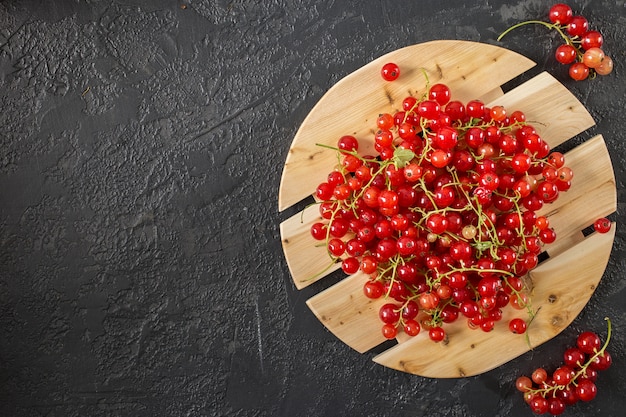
<point>556,27</point>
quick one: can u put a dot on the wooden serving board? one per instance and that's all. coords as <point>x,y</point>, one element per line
<point>562,284</point>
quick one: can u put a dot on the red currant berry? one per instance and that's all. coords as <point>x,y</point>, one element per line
<point>389,313</point>
<point>556,406</point>
<point>560,13</point>
<point>390,71</point>
<point>411,327</point>
<point>348,143</point>
<point>563,375</point>
<point>577,26</point>
<point>602,225</point>
<point>439,93</point>
<point>350,265</point>
<point>578,71</point>
<point>437,334</point>
<point>318,231</point>
<point>602,362</point>
<point>539,376</point>
<point>591,39</point>
<point>373,289</point>
<point>586,389</point>
<point>593,57</point>
<point>475,109</point>
<point>565,54</point>
<point>606,67</point>
<point>517,326</point>
<point>523,384</point>
<point>389,331</point>
<point>588,342</point>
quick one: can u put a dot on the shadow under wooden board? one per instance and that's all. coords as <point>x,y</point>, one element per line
<point>561,285</point>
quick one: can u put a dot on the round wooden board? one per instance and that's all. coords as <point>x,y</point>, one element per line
<point>562,284</point>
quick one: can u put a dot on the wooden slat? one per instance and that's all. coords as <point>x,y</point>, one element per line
<point>562,287</point>
<point>348,314</point>
<point>308,260</point>
<point>550,107</point>
<point>471,69</point>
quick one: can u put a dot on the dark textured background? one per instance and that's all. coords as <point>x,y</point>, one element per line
<point>141,271</point>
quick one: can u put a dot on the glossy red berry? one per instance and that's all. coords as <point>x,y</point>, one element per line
<point>602,225</point>
<point>560,13</point>
<point>390,71</point>
<point>588,342</point>
<point>578,26</point>
<point>565,54</point>
<point>578,71</point>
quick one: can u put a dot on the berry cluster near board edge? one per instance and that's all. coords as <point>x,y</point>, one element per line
<point>582,47</point>
<point>575,380</point>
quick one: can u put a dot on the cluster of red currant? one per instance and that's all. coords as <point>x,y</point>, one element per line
<point>443,218</point>
<point>573,381</point>
<point>582,47</point>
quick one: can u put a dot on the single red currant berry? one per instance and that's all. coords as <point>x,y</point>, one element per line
<point>348,143</point>
<point>602,362</point>
<point>440,158</point>
<point>520,162</point>
<point>577,26</point>
<point>517,116</point>
<point>475,109</point>
<point>573,357</point>
<point>539,376</point>
<point>593,57</point>
<point>390,71</point>
<point>556,406</point>
<point>437,334</point>
<point>606,67</point>
<point>517,326</point>
<point>385,121</point>
<point>560,14</point>
<point>586,389</point>
<point>336,247</point>
<point>439,93</point>
<point>389,331</point>
<point>369,264</point>
<point>456,110</point>
<point>318,231</point>
<point>591,39</point>
<point>602,225</point>
<point>523,384</point>
<point>578,71</point>
<point>350,265</point>
<point>588,342</point>
<point>565,54</point>
<point>412,172</point>
<point>411,327</point>
<point>497,113</point>
<point>563,375</point>
<point>373,289</point>
<point>410,310</point>
<point>389,313</point>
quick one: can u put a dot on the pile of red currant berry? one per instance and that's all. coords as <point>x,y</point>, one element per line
<point>573,381</point>
<point>582,47</point>
<point>443,218</point>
